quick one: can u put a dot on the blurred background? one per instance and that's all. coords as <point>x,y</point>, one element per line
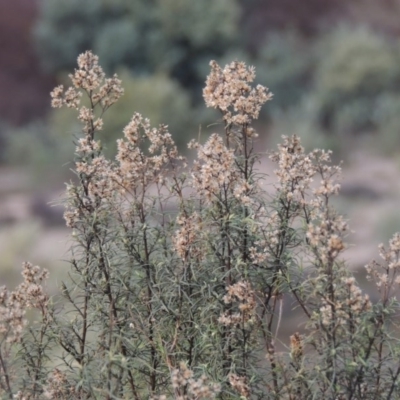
<point>334,69</point>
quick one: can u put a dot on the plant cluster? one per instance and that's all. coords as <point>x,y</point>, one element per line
<point>179,275</point>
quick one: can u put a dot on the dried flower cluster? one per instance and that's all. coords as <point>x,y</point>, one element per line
<point>296,347</point>
<point>214,169</point>
<point>239,384</point>
<point>89,78</point>
<point>229,91</point>
<point>58,386</point>
<point>348,309</point>
<point>388,275</point>
<point>242,294</point>
<point>186,239</point>
<point>137,169</point>
<point>296,169</point>
<point>184,382</point>
<point>13,305</point>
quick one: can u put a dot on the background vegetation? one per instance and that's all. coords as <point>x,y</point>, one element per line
<point>333,67</point>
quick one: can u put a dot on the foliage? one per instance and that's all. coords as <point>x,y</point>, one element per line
<point>174,36</point>
<point>357,66</point>
<point>285,61</point>
<point>38,146</point>
<point>386,117</point>
<point>179,275</point>
<point>341,84</point>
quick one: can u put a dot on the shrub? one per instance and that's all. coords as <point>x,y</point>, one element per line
<point>38,146</point>
<point>179,276</point>
<point>386,118</point>
<point>286,62</point>
<point>357,66</point>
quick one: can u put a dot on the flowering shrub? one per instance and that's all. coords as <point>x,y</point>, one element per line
<point>179,275</point>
